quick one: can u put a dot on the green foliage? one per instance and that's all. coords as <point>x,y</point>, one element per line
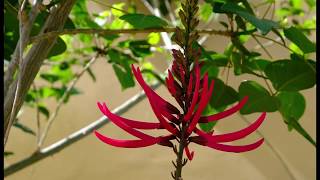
<point>121,65</point>
<point>7,153</point>
<point>24,128</point>
<point>222,94</point>
<point>264,25</point>
<point>290,75</point>
<point>141,21</point>
<point>259,100</point>
<point>43,109</point>
<point>292,106</point>
<point>298,38</point>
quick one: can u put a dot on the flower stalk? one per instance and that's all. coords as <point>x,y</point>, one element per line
<point>192,92</point>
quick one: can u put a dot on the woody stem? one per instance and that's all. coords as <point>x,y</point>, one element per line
<point>180,154</point>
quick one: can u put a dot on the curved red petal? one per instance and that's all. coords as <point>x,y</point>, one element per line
<point>125,143</point>
<point>234,135</point>
<point>241,133</point>
<point>190,86</point>
<point>160,101</point>
<point>154,101</point>
<point>195,95</point>
<point>205,97</point>
<point>218,116</point>
<point>117,120</point>
<point>189,155</point>
<point>235,149</point>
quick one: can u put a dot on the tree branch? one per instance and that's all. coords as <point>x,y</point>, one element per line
<point>32,63</point>
<point>52,34</point>
<point>74,137</point>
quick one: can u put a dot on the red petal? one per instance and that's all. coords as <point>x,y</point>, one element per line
<point>215,117</point>
<point>117,120</point>
<point>195,94</point>
<point>205,97</point>
<point>232,136</point>
<point>190,86</point>
<point>189,155</point>
<point>125,143</point>
<point>163,103</point>
<point>235,149</point>
<point>154,101</point>
<point>139,124</point>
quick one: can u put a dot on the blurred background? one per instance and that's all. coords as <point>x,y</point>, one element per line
<point>91,159</point>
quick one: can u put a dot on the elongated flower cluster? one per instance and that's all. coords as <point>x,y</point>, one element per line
<point>181,125</point>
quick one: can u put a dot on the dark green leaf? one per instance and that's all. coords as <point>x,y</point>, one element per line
<point>43,109</point>
<point>58,48</point>
<point>241,24</point>
<point>293,105</point>
<point>140,48</point>
<point>264,25</point>
<point>50,77</point>
<point>24,128</point>
<point>141,21</point>
<point>297,37</point>
<point>91,74</point>
<point>287,75</point>
<point>295,124</point>
<point>260,99</point>
<point>222,94</point>
<point>237,43</point>
<point>80,16</point>
<point>7,153</point>
<point>124,76</point>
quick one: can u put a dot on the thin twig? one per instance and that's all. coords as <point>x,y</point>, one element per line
<point>76,136</point>
<point>275,41</point>
<point>118,31</point>
<point>110,6</point>
<point>275,152</point>
<point>262,46</point>
<point>64,96</point>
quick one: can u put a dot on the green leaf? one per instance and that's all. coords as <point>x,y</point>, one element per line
<point>264,25</point>
<point>259,100</point>
<point>297,37</point>
<point>222,94</point>
<point>46,92</point>
<point>205,10</point>
<point>43,109</point>
<point>58,48</point>
<point>140,48</point>
<point>124,76</point>
<point>288,75</point>
<point>7,153</point>
<point>141,21</point>
<point>80,16</point>
<point>24,128</point>
<point>91,74</point>
<point>292,106</point>
<point>153,38</point>
<point>296,126</point>
<point>50,77</point>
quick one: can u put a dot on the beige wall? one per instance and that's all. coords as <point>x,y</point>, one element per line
<point>91,159</point>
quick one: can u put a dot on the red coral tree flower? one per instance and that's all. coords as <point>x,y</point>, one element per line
<point>193,102</point>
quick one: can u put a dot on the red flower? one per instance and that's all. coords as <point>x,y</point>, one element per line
<point>170,118</point>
